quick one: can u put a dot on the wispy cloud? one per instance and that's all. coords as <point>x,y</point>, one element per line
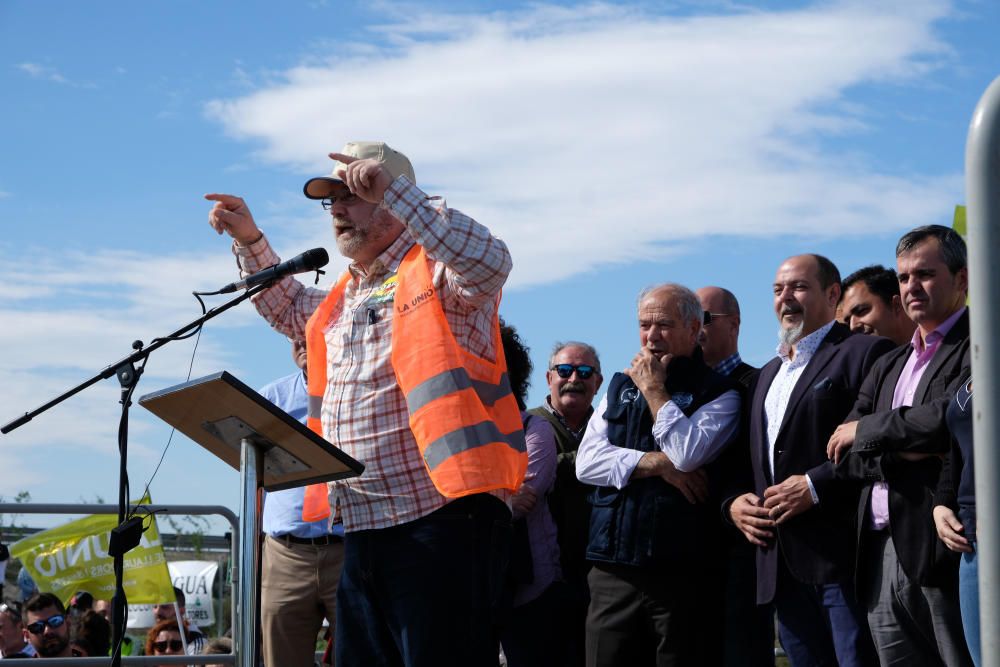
<point>47,73</point>
<point>624,131</point>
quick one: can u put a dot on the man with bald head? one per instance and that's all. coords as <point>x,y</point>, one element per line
<point>651,533</point>
<point>748,627</point>
<point>800,519</point>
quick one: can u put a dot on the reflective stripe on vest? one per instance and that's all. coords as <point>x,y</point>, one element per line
<point>462,412</point>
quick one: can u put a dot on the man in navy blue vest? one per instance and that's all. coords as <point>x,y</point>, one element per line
<point>662,420</point>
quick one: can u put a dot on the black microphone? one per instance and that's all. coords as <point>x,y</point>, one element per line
<point>310,260</point>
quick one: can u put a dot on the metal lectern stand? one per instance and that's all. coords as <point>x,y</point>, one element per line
<point>271,450</point>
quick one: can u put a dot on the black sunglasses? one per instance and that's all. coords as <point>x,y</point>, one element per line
<point>38,627</point>
<point>346,198</point>
<point>174,644</point>
<point>710,317</point>
<point>565,371</point>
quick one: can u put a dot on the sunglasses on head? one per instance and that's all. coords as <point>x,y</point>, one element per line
<point>173,644</point>
<point>38,627</point>
<point>565,371</point>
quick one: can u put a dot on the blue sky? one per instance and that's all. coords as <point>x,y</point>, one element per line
<point>611,145</point>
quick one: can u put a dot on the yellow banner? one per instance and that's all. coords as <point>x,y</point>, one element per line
<point>74,557</point>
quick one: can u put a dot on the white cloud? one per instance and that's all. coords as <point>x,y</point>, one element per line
<point>626,132</point>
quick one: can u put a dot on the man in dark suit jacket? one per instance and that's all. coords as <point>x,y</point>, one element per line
<point>894,441</point>
<point>748,628</point>
<point>799,517</point>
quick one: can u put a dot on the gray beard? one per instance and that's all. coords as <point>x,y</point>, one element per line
<point>789,337</point>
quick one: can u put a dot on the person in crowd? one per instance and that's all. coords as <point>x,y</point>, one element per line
<point>871,304</point>
<point>44,620</point>
<point>164,638</point>
<point>748,627</point>
<point>893,441</point>
<point>392,349</point>
<point>573,376</point>
<point>659,423</point>
<point>301,560</point>
<point>166,611</point>
<point>533,570</point>
<point>800,520</point>
<point>955,512</point>
<point>103,608</point>
<point>218,646</point>
<point>12,639</point>
<point>91,634</point>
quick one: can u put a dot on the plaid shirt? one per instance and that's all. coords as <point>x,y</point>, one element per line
<point>364,412</point>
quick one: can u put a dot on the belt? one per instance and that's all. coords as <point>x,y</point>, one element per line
<point>314,541</point>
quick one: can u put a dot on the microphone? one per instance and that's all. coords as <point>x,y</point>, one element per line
<point>310,260</point>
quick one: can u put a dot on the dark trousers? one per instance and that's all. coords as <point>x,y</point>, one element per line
<point>425,593</point>
<point>651,616</point>
<point>821,625</point>
<point>913,625</point>
<point>749,627</point>
<point>527,636</point>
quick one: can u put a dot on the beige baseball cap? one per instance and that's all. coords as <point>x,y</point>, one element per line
<point>321,187</point>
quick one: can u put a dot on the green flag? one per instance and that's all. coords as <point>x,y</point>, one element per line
<point>74,557</point>
<point>959,223</point>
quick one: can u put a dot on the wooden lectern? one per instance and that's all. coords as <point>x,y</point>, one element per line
<point>269,448</point>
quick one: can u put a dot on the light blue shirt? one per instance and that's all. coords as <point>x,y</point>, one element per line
<point>283,509</point>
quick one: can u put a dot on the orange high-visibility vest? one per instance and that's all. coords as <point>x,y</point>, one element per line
<point>462,412</point>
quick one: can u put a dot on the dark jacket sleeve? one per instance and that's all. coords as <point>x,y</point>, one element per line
<point>919,429</point>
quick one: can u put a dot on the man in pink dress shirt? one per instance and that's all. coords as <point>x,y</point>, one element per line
<point>894,441</point>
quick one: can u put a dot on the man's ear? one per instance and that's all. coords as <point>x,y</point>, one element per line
<point>600,380</point>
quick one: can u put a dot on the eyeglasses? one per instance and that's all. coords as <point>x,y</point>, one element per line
<point>38,627</point>
<point>346,198</point>
<point>566,371</point>
<point>174,644</point>
<point>710,317</point>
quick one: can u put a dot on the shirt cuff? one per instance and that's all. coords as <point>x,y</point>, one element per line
<point>812,490</point>
<point>254,257</point>
<point>625,465</point>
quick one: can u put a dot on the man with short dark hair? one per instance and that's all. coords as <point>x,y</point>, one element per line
<point>798,517</point>
<point>12,639</point>
<point>871,305</point>
<point>651,533</point>
<point>46,627</point>
<point>893,442</point>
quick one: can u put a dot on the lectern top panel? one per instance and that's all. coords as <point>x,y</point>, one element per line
<point>217,411</point>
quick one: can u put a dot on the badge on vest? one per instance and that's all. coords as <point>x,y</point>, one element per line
<point>628,395</point>
<point>682,399</point>
<point>386,291</point>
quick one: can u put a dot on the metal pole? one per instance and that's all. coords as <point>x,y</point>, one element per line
<point>982,173</point>
<point>245,630</point>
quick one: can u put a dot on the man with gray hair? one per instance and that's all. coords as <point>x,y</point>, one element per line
<point>574,376</point>
<point>659,423</point>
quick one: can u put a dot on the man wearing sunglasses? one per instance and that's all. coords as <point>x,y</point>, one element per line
<point>406,375</point>
<point>652,536</point>
<point>46,627</point>
<point>574,376</point>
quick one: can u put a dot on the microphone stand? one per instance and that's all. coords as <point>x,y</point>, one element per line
<point>127,534</point>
